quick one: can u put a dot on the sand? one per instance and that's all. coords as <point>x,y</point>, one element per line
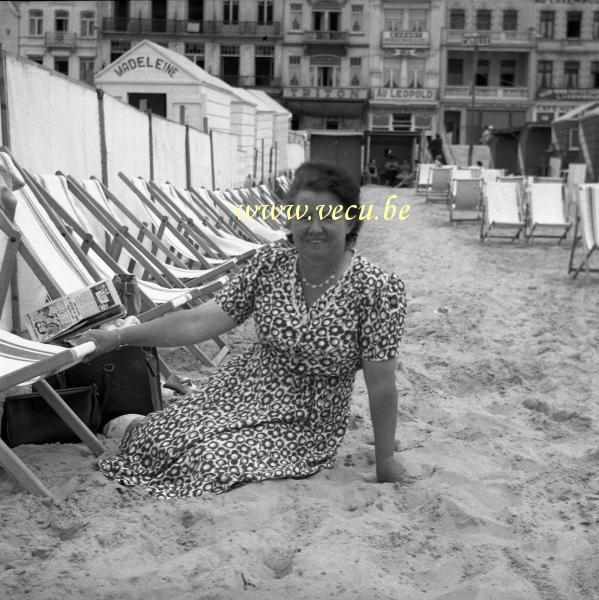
<point>498,420</point>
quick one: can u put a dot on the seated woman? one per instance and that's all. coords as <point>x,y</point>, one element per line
<point>391,169</point>
<point>280,409</point>
<point>371,174</point>
<point>405,177</point>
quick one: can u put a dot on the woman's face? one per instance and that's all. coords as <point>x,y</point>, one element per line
<point>316,234</point>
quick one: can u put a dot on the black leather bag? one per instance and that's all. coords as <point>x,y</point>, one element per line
<point>29,419</point>
<point>128,381</point>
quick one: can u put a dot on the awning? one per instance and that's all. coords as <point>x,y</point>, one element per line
<point>314,108</point>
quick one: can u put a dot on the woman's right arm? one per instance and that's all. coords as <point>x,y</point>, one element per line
<point>180,328</point>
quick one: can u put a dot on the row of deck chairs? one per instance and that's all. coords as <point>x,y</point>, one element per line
<point>67,234</point>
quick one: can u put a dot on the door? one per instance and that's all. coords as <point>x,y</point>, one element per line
<point>451,121</point>
<point>154,102</point>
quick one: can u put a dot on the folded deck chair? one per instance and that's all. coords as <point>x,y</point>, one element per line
<point>24,362</point>
<point>465,199</point>
<point>548,180</point>
<point>61,266</point>
<point>422,177</point>
<point>586,229</point>
<point>283,183</point>
<point>440,178</point>
<point>491,175</point>
<point>546,216</point>
<point>501,210</point>
<point>228,244</point>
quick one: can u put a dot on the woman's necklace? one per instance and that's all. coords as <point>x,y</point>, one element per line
<point>316,286</point>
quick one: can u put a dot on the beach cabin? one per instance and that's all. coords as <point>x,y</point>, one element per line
<point>589,130</point>
<point>523,150</point>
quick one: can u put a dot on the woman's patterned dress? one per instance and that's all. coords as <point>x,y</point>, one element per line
<point>281,408</point>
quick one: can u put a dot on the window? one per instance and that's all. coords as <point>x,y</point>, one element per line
<point>573,141</point>
<point>393,19</point>
<point>323,20</point>
<point>61,65</point>
<point>482,73</point>
<point>391,73</point>
<point>86,70</point>
<point>264,65</point>
<point>402,121</point>
<point>596,25</point>
<point>571,68</point>
<point>296,16</point>
<point>455,71</point>
<point>331,122</point>
<point>457,18</point>
<point>324,71</point>
<point>357,17</point>
<point>61,20</point>
<point>36,22</point>
<point>507,73</point>
<point>595,74</point>
<point>231,12</point>
<point>416,68</point>
<point>417,19</point>
<point>295,74</point>
<point>36,58</point>
<point>118,48</point>
<point>545,74</point>
<point>195,53</point>
<point>355,70</point>
<point>229,64</point>
<point>265,12</point>
<point>483,19</point>
<point>547,24</point>
<point>510,20</point>
<point>88,21</point>
<point>573,24</point>
<point>380,122</point>
<point>195,10</point>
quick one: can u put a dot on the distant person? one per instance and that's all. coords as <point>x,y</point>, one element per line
<point>405,175</point>
<point>479,164</point>
<point>371,174</point>
<point>390,170</point>
<point>436,148</point>
<point>438,161</point>
<point>249,181</point>
<point>486,135</point>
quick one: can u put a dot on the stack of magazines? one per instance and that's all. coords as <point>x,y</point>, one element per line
<point>70,315</point>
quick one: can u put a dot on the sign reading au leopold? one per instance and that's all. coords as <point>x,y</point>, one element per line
<point>383,94</point>
<point>146,62</point>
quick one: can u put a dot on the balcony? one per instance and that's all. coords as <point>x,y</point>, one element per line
<point>463,92</point>
<point>61,39</point>
<point>326,42</point>
<point>497,39</point>
<point>403,95</point>
<point>180,27</point>
<point>404,39</point>
<point>251,81</point>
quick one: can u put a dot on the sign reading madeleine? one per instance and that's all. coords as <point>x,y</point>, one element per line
<point>151,63</point>
<point>403,94</point>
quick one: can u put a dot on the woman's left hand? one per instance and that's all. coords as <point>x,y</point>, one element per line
<point>390,470</point>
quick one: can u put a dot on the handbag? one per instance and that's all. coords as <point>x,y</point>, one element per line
<point>29,419</point>
<point>127,378</point>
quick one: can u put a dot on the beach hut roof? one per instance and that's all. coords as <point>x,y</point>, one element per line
<point>279,109</point>
<point>578,112</point>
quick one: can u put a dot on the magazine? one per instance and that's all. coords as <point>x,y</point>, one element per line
<point>75,312</point>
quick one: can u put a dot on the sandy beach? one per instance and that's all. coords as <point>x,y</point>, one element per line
<point>498,421</point>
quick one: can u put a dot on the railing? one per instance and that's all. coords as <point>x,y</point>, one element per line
<point>485,93</point>
<point>326,37</point>
<point>256,81</point>
<point>61,39</point>
<point>490,38</point>
<point>404,39</point>
<point>131,25</point>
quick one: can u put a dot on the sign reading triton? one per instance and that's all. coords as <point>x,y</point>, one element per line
<point>146,62</point>
<point>331,93</point>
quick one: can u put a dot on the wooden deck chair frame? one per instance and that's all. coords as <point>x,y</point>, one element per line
<point>423,177</point>
<point>439,188</point>
<point>532,226</point>
<point>487,228</point>
<point>52,359</point>
<point>205,207</point>
<point>586,229</point>
<point>62,218</point>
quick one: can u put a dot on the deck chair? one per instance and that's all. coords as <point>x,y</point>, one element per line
<point>548,180</point>
<point>283,184</point>
<point>228,244</point>
<point>546,212</point>
<point>24,362</point>
<point>61,265</point>
<point>465,199</point>
<point>422,177</point>
<point>501,210</point>
<point>555,166</point>
<point>576,174</point>
<point>491,175</point>
<point>440,178</point>
<point>586,229</point>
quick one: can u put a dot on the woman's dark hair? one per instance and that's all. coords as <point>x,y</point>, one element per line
<point>316,176</point>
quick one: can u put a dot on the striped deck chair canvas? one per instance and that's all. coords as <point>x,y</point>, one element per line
<point>465,200</point>
<point>440,179</point>
<point>501,210</point>
<point>546,216</point>
<point>26,362</point>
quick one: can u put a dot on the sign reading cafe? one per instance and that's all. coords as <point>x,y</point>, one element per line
<point>146,62</point>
